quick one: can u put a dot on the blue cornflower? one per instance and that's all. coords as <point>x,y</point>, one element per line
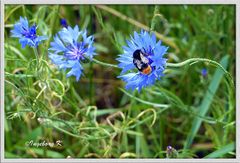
<point>27,34</point>
<point>144,54</point>
<point>204,72</point>
<point>63,23</point>
<point>69,48</point>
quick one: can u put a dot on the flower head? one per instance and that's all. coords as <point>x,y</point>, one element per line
<point>143,60</point>
<point>27,34</point>
<point>171,152</point>
<point>204,72</point>
<point>69,48</point>
<point>63,23</point>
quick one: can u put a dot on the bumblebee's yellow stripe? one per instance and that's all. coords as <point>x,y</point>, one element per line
<point>147,70</point>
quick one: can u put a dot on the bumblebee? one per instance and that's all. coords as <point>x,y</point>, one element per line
<point>141,62</point>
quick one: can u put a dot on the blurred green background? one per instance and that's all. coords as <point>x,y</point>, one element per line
<point>95,119</point>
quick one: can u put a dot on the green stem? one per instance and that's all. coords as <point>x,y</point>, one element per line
<point>34,102</point>
<point>91,87</point>
<point>171,65</point>
<point>190,61</point>
<point>193,61</point>
<point>78,136</point>
<point>230,116</point>
<point>104,64</point>
<point>37,56</point>
<point>154,20</point>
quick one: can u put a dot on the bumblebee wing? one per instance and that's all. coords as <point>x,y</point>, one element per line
<point>137,63</point>
<point>143,58</point>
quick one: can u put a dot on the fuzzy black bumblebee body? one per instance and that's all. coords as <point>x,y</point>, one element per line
<point>141,62</point>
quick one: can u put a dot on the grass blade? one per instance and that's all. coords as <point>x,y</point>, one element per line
<point>224,150</point>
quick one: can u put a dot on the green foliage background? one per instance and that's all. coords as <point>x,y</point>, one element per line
<point>93,117</point>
